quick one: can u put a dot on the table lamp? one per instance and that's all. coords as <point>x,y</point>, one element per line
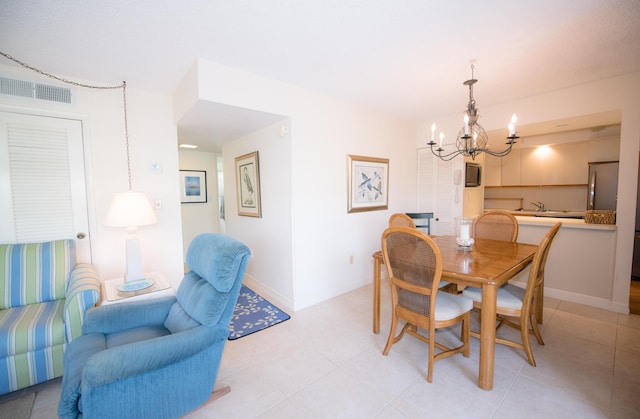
<point>131,210</point>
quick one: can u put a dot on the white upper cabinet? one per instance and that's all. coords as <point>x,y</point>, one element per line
<point>557,164</point>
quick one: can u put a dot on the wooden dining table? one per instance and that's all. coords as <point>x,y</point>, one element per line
<point>490,264</point>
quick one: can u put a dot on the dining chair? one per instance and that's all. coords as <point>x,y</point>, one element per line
<point>496,225</point>
<point>401,220</point>
<point>514,301</point>
<point>422,220</point>
<point>414,266</point>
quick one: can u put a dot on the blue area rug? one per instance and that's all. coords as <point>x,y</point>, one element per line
<point>252,314</point>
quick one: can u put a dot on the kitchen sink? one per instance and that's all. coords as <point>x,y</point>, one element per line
<point>560,214</point>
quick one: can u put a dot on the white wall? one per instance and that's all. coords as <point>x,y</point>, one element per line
<point>315,227</point>
<point>270,270</point>
<point>152,136</point>
<point>200,217</point>
<point>615,94</point>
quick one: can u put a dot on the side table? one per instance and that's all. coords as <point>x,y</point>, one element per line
<point>160,288</point>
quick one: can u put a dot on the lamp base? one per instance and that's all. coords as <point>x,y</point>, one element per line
<point>134,260</point>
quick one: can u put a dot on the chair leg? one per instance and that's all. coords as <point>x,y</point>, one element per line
<point>526,343</point>
<point>465,334</point>
<point>392,334</point>
<point>432,354</point>
<point>534,324</point>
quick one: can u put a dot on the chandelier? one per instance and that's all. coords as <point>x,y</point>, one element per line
<point>472,138</point>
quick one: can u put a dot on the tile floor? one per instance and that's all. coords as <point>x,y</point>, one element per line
<point>326,363</point>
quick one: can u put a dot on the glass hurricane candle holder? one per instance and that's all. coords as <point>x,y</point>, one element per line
<point>463,233</point>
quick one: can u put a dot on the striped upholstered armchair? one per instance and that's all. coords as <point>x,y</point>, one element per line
<point>43,297</point>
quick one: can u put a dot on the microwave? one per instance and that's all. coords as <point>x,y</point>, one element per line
<point>473,175</point>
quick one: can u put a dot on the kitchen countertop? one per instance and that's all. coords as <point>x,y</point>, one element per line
<point>566,222</point>
<point>528,217</point>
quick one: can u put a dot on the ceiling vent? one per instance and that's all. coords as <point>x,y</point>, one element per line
<point>33,90</point>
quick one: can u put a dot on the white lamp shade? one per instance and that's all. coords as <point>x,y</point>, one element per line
<point>130,209</point>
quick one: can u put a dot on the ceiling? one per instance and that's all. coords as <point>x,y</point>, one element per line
<point>407,58</point>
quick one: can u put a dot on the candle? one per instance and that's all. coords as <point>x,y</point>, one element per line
<point>475,140</point>
<point>512,125</point>
<point>441,138</point>
<point>466,124</point>
<point>433,130</point>
<point>464,233</point>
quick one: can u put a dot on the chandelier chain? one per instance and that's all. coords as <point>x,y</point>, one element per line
<point>122,86</point>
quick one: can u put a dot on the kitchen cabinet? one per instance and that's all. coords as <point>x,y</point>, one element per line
<point>510,169</point>
<point>558,164</point>
<point>493,171</point>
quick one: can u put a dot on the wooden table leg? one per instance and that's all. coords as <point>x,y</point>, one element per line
<point>487,337</point>
<point>376,294</point>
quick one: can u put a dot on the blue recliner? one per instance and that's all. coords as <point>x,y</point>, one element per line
<point>157,358</point>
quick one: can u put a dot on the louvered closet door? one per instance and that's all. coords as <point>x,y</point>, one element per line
<point>438,191</point>
<point>42,181</point>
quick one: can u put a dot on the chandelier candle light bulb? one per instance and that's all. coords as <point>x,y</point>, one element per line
<point>512,125</point>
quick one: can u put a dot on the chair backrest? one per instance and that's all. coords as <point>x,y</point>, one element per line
<point>536,275</point>
<point>414,266</point>
<point>496,225</point>
<point>422,220</point>
<point>208,293</point>
<point>401,220</point>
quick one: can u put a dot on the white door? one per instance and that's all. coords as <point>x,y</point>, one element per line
<point>42,181</point>
<point>440,186</point>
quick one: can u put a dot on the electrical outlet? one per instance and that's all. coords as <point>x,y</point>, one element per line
<point>351,260</point>
<point>158,204</point>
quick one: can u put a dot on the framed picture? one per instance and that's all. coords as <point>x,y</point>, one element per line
<point>248,185</point>
<point>193,186</point>
<point>368,184</point>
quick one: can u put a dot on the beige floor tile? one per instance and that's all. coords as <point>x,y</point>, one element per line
<point>585,382</point>
<point>628,339</point>
<point>588,312</point>
<point>325,362</point>
<point>530,398</point>
<point>571,324</point>
<point>338,395</point>
<point>629,320</point>
<point>625,400</point>
<point>441,399</point>
<point>627,367</point>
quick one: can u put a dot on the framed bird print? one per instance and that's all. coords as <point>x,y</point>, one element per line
<point>368,184</point>
<point>248,185</point>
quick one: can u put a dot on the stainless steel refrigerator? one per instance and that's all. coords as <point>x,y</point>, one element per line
<point>603,186</point>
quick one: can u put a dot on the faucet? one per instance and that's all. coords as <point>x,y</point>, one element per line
<point>539,205</point>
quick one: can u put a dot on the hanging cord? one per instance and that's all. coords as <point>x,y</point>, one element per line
<point>122,86</point>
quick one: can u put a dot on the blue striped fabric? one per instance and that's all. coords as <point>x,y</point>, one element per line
<point>42,306</point>
<point>83,292</point>
<point>34,272</point>
<point>31,343</point>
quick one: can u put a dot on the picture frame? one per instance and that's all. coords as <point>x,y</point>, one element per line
<point>248,185</point>
<point>368,183</point>
<point>193,186</point>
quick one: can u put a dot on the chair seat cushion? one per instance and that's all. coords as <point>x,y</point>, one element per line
<point>449,306</point>
<point>509,296</point>
<point>31,327</point>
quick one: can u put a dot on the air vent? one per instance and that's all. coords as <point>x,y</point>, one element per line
<point>29,89</point>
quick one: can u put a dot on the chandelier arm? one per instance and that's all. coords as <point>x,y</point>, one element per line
<point>446,157</point>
